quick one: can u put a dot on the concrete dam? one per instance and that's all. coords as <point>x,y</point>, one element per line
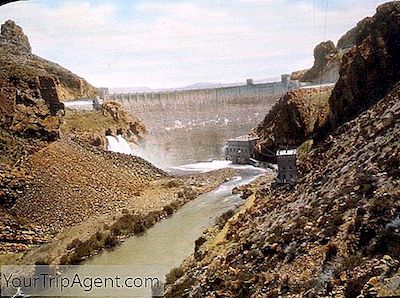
<point>182,98</point>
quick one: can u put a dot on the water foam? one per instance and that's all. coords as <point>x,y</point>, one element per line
<point>118,144</point>
<point>204,167</point>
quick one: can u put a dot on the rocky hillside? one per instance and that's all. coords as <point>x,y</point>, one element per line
<point>336,234</point>
<point>71,182</point>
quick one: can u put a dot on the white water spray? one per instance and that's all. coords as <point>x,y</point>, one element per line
<point>118,144</point>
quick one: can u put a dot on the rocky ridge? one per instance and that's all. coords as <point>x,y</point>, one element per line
<point>20,69</point>
<point>371,67</point>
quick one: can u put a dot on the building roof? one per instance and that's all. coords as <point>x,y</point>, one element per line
<point>244,138</point>
<point>286,152</point>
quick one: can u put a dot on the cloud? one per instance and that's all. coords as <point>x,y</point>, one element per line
<point>170,44</point>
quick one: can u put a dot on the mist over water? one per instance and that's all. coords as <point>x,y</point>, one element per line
<point>187,135</point>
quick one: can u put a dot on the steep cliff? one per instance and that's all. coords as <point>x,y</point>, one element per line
<point>371,67</point>
<point>367,71</point>
<point>350,38</point>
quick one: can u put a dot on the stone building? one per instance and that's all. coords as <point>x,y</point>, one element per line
<point>241,150</point>
<point>287,166</point>
<point>104,93</point>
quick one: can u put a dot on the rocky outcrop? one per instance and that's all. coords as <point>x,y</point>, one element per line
<point>298,75</point>
<point>111,119</point>
<point>370,68</point>
<point>18,62</point>
<point>327,58</point>
<point>349,40</point>
<point>134,129</point>
<point>12,33</point>
<point>367,71</point>
<point>293,119</point>
<point>326,64</point>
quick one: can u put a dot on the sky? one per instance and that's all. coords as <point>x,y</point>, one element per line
<point>171,44</point>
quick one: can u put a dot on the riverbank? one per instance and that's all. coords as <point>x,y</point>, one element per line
<point>213,240</point>
<point>155,201</point>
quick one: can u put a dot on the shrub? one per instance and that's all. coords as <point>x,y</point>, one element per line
<point>125,224</point>
<point>336,220</point>
<point>64,260</point>
<point>174,275</point>
<point>351,262</point>
<point>387,241</point>
<point>139,227</point>
<point>221,220</point>
<point>379,206</point>
<point>110,241</point>
<point>74,243</point>
<point>173,183</point>
<point>331,251</point>
<point>42,262</point>
<point>83,250</point>
<point>199,242</point>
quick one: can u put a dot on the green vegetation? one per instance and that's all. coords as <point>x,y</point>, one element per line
<point>304,149</point>
<point>84,249</point>
<point>174,275</point>
<point>88,121</point>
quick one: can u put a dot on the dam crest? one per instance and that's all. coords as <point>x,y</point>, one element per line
<point>248,93</point>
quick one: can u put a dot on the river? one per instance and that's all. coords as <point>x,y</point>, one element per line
<point>170,241</point>
<point>183,142</point>
<point>164,246</point>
